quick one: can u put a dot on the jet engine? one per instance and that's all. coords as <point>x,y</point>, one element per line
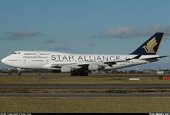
<point>65,69</point>
<point>93,67</point>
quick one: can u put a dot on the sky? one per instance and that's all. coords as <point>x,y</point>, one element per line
<point>84,26</point>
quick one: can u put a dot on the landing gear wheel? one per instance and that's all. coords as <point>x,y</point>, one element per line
<point>19,73</point>
<point>79,73</point>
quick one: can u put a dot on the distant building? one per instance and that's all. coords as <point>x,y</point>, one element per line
<point>160,72</point>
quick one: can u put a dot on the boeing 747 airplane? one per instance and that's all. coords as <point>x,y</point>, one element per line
<point>83,64</point>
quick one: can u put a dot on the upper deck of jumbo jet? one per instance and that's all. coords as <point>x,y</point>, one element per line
<point>38,52</point>
<point>35,52</point>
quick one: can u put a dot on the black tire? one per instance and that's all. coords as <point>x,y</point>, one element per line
<point>79,73</point>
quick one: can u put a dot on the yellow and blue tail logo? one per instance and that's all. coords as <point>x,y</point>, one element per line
<point>151,46</point>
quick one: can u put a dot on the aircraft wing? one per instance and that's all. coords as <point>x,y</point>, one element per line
<point>85,64</point>
<point>114,62</point>
<point>78,65</point>
<point>154,58</point>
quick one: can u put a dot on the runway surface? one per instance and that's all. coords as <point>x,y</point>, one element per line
<point>85,86</point>
<point>83,95</point>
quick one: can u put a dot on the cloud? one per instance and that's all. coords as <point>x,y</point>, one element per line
<point>130,32</point>
<point>20,35</point>
<point>63,49</point>
<point>49,41</point>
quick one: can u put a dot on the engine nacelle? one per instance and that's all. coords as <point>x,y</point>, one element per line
<point>94,67</point>
<point>65,69</point>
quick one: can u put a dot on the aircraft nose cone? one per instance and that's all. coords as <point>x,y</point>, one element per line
<point>3,60</point>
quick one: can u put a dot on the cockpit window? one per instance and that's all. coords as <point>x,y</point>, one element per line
<point>16,53</point>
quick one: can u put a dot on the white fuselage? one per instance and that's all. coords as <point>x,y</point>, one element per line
<point>54,60</point>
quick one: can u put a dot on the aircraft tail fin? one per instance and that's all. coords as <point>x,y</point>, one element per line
<point>151,46</point>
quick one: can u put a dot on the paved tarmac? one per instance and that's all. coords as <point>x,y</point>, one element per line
<point>85,86</point>
<point>83,95</point>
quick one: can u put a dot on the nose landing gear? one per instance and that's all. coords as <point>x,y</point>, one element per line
<point>19,71</point>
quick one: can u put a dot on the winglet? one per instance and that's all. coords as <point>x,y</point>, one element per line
<point>151,46</point>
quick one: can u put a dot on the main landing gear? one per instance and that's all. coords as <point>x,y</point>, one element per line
<point>79,73</point>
